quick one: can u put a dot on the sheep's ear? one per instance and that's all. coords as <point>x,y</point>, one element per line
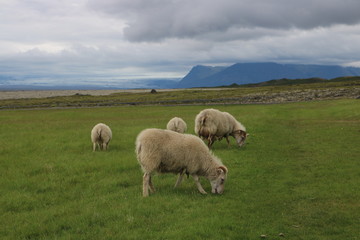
<point>247,134</point>
<point>243,133</point>
<point>222,169</point>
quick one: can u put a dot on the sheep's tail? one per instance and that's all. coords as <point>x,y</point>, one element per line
<point>202,122</point>
<point>99,131</point>
<point>175,126</point>
<point>138,150</point>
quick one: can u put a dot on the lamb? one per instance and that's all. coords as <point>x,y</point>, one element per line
<point>177,124</point>
<point>100,136</point>
<point>212,124</point>
<point>166,151</point>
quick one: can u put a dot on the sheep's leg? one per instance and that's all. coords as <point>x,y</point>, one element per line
<point>228,141</point>
<point>104,146</point>
<point>146,179</point>
<point>210,141</point>
<point>200,188</point>
<point>180,178</point>
<point>94,147</point>
<point>152,189</point>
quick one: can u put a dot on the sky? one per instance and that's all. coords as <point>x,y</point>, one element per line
<point>121,41</point>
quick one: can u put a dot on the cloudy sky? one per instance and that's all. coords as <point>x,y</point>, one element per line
<point>65,41</point>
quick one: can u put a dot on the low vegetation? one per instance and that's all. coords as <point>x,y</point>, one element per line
<point>296,178</point>
<point>274,92</point>
<point>289,82</point>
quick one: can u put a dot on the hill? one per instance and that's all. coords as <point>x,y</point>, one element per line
<point>354,80</point>
<point>247,73</point>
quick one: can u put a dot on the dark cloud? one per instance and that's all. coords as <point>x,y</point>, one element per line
<point>128,39</point>
<point>153,20</point>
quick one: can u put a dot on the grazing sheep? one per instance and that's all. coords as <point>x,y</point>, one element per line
<point>211,124</point>
<point>166,151</point>
<point>177,125</point>
<point>101,135</point>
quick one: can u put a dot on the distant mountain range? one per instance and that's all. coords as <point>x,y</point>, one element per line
<point>246,73</point>
<point>199,76</point>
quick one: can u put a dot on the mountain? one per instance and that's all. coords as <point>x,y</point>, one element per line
<point>199,74</point>
<point>245,73</point>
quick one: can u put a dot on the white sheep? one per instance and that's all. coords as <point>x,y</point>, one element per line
<point>100,136</point>
<point>212,124</point>
<point>166,151</point>
<point>176,124</point>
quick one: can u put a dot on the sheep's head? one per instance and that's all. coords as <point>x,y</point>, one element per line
<point>217,182</point>
<point>240,137</point>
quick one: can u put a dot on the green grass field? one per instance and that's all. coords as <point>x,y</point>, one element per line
<point>298,174</point>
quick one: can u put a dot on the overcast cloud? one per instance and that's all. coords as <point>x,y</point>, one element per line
<point>113,40</point>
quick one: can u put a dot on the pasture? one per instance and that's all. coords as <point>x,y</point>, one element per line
<point>298,176</point>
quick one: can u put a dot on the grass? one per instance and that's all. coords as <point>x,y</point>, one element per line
<point>298,175</point>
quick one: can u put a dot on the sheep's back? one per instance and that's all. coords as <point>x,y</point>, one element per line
<point>101,129</point>
<point>213,121</point>
<point>168,151</point>
<point>177,124</point>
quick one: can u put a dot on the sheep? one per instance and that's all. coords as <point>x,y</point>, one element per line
<point>212,124</point>
<point>166,151</point>
<point>100,136</point>
<point>177,124</point>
